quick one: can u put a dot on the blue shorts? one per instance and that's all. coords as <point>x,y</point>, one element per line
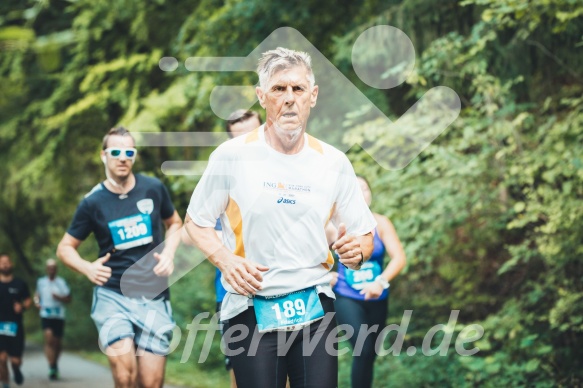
<point>149,324</point>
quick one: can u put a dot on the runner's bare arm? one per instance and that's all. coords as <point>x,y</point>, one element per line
<point>95,271</point>
<point>390,239</point>
<point>331,233</point>
<point>242,274</point>
<point>63,299</point>
<point>19,307</point>
<point>165,265</point>
<point>27,302</point>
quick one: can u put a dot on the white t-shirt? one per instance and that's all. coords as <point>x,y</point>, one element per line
<point>49,306</point>
<point>274,207</point>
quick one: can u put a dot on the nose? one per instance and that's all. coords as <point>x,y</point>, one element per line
<point>289,96</point>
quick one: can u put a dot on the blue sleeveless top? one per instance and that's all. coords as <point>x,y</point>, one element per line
<point>351,282</point>
<point>220,291</point>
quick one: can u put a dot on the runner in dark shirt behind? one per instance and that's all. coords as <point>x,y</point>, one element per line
<point>14,299</point>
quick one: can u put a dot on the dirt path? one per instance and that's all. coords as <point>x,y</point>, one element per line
<point>75,372</point>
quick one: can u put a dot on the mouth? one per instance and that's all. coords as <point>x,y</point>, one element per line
<point>289,115</point>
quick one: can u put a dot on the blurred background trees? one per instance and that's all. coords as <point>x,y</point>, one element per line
<point>489,214</point>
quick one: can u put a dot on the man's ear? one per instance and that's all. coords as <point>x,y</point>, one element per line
<point>314,96</point>
<point>260,96</point>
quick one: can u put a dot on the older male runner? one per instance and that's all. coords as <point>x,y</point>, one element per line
<point>275,189</point>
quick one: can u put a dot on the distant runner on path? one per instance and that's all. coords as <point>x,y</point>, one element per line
<point>52,293</point>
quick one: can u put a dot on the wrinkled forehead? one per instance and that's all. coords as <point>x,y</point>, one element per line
<point>296,75</point>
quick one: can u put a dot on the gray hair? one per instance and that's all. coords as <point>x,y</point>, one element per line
<point>279,59</point>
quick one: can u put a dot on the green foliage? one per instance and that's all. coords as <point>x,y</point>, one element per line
<point>488,212</point>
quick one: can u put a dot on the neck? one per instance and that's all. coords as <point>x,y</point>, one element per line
<point>52,277</point>
<point>5,278</point>
<point>289,145</point>
<point>120,185</point>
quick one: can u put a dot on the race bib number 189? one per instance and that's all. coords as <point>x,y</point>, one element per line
<point>287,312</point>
<point>132,231</point>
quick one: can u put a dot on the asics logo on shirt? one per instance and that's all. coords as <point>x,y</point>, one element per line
<point>285,200</point>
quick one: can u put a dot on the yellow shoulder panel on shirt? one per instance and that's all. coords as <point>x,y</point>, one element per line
<point>234,214</point>
<point>252,136</point>
<point>332,210</point>
<point>315,144</point>
<point>329,263</point>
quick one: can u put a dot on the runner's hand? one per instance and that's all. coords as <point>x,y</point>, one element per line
<point>347,248</point>
<point>98,273</point>
<point>372,291</point>
<point>165,265</point>
<point>243,275</point>
<point>18,307</point>
<point>334,278</point>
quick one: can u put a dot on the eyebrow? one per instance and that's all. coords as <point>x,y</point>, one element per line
<point>293,85</point>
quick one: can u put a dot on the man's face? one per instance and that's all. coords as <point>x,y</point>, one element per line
<point>288,99</point>
<point>121,166</point>
<point>51,270</point>
<point>243,127</point>
<point>5,265</point>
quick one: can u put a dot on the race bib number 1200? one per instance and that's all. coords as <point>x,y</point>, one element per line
<point>132,231</point>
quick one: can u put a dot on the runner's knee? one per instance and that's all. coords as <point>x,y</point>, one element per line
<point>124,378</point>
<point>150,381</point>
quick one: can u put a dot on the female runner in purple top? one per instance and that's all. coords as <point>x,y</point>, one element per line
<point>362,296</point>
